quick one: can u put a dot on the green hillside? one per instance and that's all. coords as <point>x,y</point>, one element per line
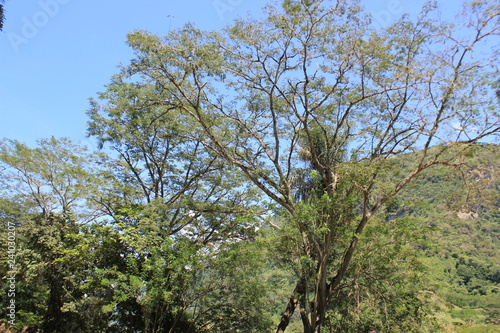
<point>461,251</point>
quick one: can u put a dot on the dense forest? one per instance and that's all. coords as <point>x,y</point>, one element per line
<point>305,172</point>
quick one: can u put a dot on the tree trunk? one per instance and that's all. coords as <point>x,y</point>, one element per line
<point>54,317</point>
<point>318,313</point>
<point>291,306</point>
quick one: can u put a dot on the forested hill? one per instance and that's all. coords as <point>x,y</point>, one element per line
<point>462,249</point>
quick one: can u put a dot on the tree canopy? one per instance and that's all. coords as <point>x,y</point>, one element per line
<point>312,103</point>
<point>254,169</point>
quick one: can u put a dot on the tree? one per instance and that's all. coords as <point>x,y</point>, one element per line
<point>138,277</point>
<point>30,310</point>
<point>313,92</point>
<point>58,176</point>
<point>106,245</point>
<point>54,185</point>
<point>177,206</point>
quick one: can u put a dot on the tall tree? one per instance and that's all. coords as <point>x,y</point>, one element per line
<point>177,206</point>
<point>312,103</point>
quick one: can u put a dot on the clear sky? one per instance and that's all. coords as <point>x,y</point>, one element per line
<point>56,54</point>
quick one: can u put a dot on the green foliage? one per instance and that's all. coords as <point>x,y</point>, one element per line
<point>44,278</point>
<point>309,120</point>
<point>56,176</point>
<point>461,206</point>
<point>314,108</point>
<point>482,329</point>
<point>383,289</point>
<point>157,264</point>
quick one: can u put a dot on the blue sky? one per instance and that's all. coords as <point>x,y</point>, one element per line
<point>56,54</point>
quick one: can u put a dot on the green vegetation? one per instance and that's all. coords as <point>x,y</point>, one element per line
<point>461,207</point>
<point>301,173</point>
<point>433,265</point>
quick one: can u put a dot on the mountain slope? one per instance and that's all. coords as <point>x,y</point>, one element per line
<point>462,207</point>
